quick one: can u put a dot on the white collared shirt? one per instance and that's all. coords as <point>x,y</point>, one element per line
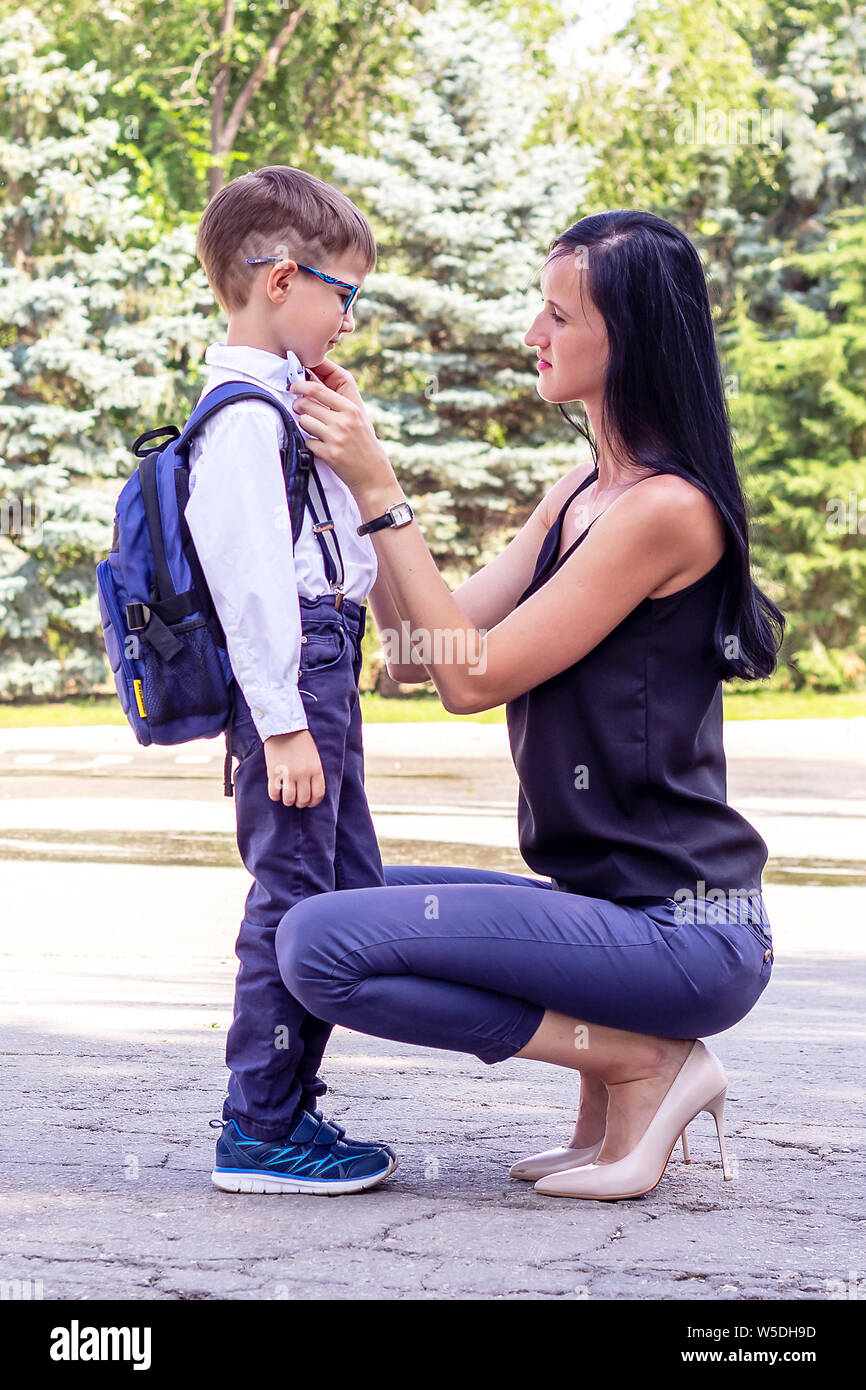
<point>238,517</point>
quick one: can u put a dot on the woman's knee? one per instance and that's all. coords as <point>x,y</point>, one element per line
<point>305,951</point>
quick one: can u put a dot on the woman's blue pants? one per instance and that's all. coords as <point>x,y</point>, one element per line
<point>469,960</point>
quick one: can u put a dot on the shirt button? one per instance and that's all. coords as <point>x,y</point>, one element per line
<point>767,955</point>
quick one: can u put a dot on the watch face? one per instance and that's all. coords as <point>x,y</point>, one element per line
<point>401,512</point>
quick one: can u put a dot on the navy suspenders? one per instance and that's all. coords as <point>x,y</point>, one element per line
<point>303,488</point>
<point>326,535</point>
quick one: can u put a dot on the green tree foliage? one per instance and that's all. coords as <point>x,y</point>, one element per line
<point>471,133</point>
<point>464,206</point>
<point>97,326</point>
<point>206,89</point>
<point>795,342</point>
<point>674,93</point>
<point>801,435</point>
<point>744,125</point>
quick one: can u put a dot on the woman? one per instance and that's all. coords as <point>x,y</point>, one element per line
<point>605,627</point>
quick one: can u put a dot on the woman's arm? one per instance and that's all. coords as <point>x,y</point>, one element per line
<point>646,537</point>
<point>623,559</point>
<point>490,594</point>
<point>487,596</point>
<point>388,621</point>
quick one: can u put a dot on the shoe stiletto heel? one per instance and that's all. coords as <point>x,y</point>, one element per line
<point>716,1108</point>
<point>700,1084</point>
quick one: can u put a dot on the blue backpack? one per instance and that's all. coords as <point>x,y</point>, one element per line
<point>164,640</point>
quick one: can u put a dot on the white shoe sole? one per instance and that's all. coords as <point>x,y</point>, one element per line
<point>239,1181</point>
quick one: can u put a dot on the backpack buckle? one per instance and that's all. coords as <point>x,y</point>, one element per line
<point>137,616</point>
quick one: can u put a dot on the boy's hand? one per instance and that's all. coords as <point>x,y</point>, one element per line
<point>295,773</point>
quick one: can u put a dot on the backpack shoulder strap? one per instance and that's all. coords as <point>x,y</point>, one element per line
<point>223,395</point>
<point>299,484</point>
<point>296,459</point>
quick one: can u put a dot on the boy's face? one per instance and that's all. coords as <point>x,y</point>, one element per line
<point>311,317</point>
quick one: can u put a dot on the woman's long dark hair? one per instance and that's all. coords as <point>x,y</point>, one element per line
<point>664,399</point>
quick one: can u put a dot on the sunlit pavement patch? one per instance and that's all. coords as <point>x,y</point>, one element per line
<point>803,847</point>
<point>219,850</point>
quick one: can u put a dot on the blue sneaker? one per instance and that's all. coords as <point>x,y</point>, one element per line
<point>312,1158</point>
<point>358,1143</point>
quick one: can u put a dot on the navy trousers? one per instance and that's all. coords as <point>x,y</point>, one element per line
<point>469,960</point>
<point>275,1044</point>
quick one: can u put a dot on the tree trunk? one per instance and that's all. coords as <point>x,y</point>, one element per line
<point>224,130</point>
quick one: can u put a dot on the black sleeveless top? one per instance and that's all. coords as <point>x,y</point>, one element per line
<point>623,780</point>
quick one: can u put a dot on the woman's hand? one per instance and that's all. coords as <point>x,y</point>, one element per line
<point>337,379</point>
<point>332,413</point>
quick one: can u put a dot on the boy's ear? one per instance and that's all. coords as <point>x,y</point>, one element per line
<point>281,278</point>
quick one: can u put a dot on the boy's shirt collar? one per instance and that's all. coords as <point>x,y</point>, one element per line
<point>267,367</point>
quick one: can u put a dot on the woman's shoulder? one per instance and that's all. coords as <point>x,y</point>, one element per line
<point>685,515</point>
<point>663,500</point>
<point>559,493</point>
<point>684,503</point>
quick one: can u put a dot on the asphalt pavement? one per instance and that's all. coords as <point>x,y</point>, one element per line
<point>122,891</point>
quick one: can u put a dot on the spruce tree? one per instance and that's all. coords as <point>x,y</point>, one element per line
<point>98,314</point>
<point>465,201</point>
<point>801,432</point>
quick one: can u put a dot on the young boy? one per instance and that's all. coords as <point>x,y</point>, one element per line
<point>285,255</point>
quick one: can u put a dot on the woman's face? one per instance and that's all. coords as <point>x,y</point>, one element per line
<point>568,333</point>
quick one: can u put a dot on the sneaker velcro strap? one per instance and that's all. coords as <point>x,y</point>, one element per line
<point>327,1134</point>
<point>332,1124</point>
<point>305,1130</point>
<point>310,1130</point>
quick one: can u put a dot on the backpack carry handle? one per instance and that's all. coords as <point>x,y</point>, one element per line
<point>170,431</point>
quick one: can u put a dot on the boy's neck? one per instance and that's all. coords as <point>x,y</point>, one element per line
<point>248,331</point>
<point>242,335</point>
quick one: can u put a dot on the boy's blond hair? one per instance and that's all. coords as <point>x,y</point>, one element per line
<point>273,211</point>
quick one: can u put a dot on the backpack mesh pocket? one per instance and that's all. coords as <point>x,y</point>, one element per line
<point>191,683</point>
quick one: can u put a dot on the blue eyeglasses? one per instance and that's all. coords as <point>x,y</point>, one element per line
<point>329,279</point>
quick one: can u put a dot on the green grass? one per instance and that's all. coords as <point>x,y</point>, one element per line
<point>800,704</point>
<point>420,709</point>
<point>758,704</point>
<point>104,709</point>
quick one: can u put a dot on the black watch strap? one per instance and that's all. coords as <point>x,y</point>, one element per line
<point>375,525</point>
<point>386,519</point>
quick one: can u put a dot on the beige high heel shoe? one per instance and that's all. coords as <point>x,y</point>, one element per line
<point>700,1084</point>
<point>552,1161</point>
<point>560,1160</point>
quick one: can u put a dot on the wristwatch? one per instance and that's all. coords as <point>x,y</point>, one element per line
<point>398,514</point>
